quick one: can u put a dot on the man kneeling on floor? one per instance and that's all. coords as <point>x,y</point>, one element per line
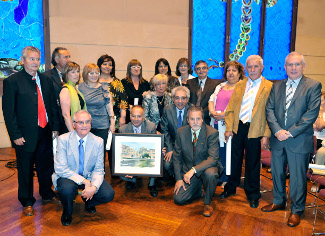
<point>196,161</point>
<point>79,164</point>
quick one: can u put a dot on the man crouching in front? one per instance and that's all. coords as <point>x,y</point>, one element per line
<point>79,164</point>
<point>196,161</point>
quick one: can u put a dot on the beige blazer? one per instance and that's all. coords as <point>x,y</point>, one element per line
<point>258,126</point>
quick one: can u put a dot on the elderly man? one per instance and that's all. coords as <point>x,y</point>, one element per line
<point>291,111</point>
<point>60,57</point>
<point>79,164</point>
<point>246,123</point>
<point>31,117</point>
<point>201,88</point>
<point>174,117</point>
<point>140,126</point>
<point>196,161</point>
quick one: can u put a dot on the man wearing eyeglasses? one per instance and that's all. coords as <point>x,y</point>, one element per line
<point>174,117</point>
<point>201,88</point>
<point>291,110</point>
<point>79,164</point>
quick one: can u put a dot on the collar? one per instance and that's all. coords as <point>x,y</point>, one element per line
<point>203,80</point>
<point>257,81</point>
<point>196,132</point>
<point>296,81</point>
<point>84,139</point>
<point>177,110</point>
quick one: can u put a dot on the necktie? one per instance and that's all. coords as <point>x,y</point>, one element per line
<point>81,157</point>
<point>245,108</point>
<point>199,94</point>
<point>179,121</point>
<point>41,108</point>
<point>289,97</point>
<point>194,141</point>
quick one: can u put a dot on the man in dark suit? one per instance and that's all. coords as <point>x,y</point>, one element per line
<point>60,57</point>
<point>79,164</point>
<point>30,115</point>
<point>245,120</point>
<point>174,117</point>
<point>196,161</point>
<point>201,88</point>
<point>140,126</point>
<point>291,110</point>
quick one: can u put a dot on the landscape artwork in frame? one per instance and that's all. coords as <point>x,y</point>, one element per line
<point>138,155</point>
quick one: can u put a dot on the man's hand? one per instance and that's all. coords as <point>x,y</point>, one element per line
<point>187,177</point>
<point>228,134</point>
<point>168,156</point>
<point>265,142</point>
<point>19,141</point>
<point>55,134</point>
<point>178,185</point>
<point>282,135</point>
<point>86,182</point>
<point>89,192</point>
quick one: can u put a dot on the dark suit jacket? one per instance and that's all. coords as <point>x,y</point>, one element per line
<point>20,110</point>
<point>206,154</point>
<point>209,88</point>
<point>302,114</point>
<point>147,127</point>
<point>168,125</point>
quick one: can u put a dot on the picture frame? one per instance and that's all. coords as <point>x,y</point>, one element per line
<point>137,154</point>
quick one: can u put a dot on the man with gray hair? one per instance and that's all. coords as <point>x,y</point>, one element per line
<point>245,120</point>
<point>174,117</point>
<point>291,111</point>
<point>31,117</point>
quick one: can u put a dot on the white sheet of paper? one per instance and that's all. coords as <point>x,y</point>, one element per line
<point>55,143</point>
<point>136,101</point>
<point>228,156</point>
<point>109,140</point>
<point>319,167</point>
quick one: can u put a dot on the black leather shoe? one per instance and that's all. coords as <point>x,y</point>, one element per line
<point>130,185</point>
<point>253,203</point>
<point>66,220</point>
<point>153,191</point>
<point>90,209</point>
<point>226,194</point>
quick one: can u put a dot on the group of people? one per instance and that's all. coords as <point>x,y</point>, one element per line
<point>197,117</point>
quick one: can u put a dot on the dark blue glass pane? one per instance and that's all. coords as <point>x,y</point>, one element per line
<point>209,28</point>
<point>277,39</point>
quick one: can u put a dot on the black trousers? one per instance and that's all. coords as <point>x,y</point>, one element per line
<point>42,157</point>
<point>252,147</point>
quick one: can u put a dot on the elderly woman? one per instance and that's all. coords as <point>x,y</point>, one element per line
<point>112,84</point>
<point>71,99</point>
<point>99,102</point>
<point>233,72</point>
<point>184,71</point>
<point>162,67</point>
<point>135,85</point>
<point>154,102</point>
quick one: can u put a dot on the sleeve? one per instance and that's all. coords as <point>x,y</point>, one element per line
<point>165,131</point>
<point>229,115</point>
<point>177,158</point>
<point>270,112</point>
<point>97,176</point>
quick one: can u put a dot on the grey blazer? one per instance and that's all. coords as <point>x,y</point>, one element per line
<point>147,127</point>
<point>302,114</point>
<point>205,156</point>
<point>168,125</point>
<point>66,161</point>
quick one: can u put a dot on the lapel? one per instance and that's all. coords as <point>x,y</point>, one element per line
<point>129,128</point>
<point>74,146</point>
<point>258,95</point>
<point>200,140</point>
<point>282,94</point>
<point>300,87</point>
<point>174,116</point>
<point>242,89</point>
<point>143,127</point>
<point>56,77</point>
<point>88,149</point>
<point>188,140</point>
<point>185,115</point>
<point>206,88</point>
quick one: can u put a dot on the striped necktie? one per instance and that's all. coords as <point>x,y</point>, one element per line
<point>245,108</point>
<point>199,94</point>
<point>194,141</point>
<point>289,97</point>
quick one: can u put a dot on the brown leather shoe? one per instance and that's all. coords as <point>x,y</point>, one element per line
<point>293,220</point>
<point>272,207</point>
<point>208,210</point>
<point>28,211</point>
<point>54,200</point>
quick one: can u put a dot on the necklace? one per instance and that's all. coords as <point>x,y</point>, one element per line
<point>160,101</point>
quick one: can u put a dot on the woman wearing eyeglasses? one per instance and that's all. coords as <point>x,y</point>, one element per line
<point>184,71</point>
<point>71,99</point>
<point>135,85</point>
<point>162,67</point>
<point>99,102</point>
<point>113,85</point>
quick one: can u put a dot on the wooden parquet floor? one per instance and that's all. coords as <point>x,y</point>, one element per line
<point>137,213</point>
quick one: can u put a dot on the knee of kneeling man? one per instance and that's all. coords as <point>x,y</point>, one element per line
<point>178,200</point>
<point>211,173</point>
<point>109,197</point>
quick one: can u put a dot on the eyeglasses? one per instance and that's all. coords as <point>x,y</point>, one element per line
<point>93,73</point>
<point>135,67</point>
<point>87,122</point>
<point>201,68</point>
<point>180,98</point>
<point>293,64</point>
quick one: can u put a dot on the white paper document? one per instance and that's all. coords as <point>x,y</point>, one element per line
<point>228,156</point>
<point>109,140</point>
